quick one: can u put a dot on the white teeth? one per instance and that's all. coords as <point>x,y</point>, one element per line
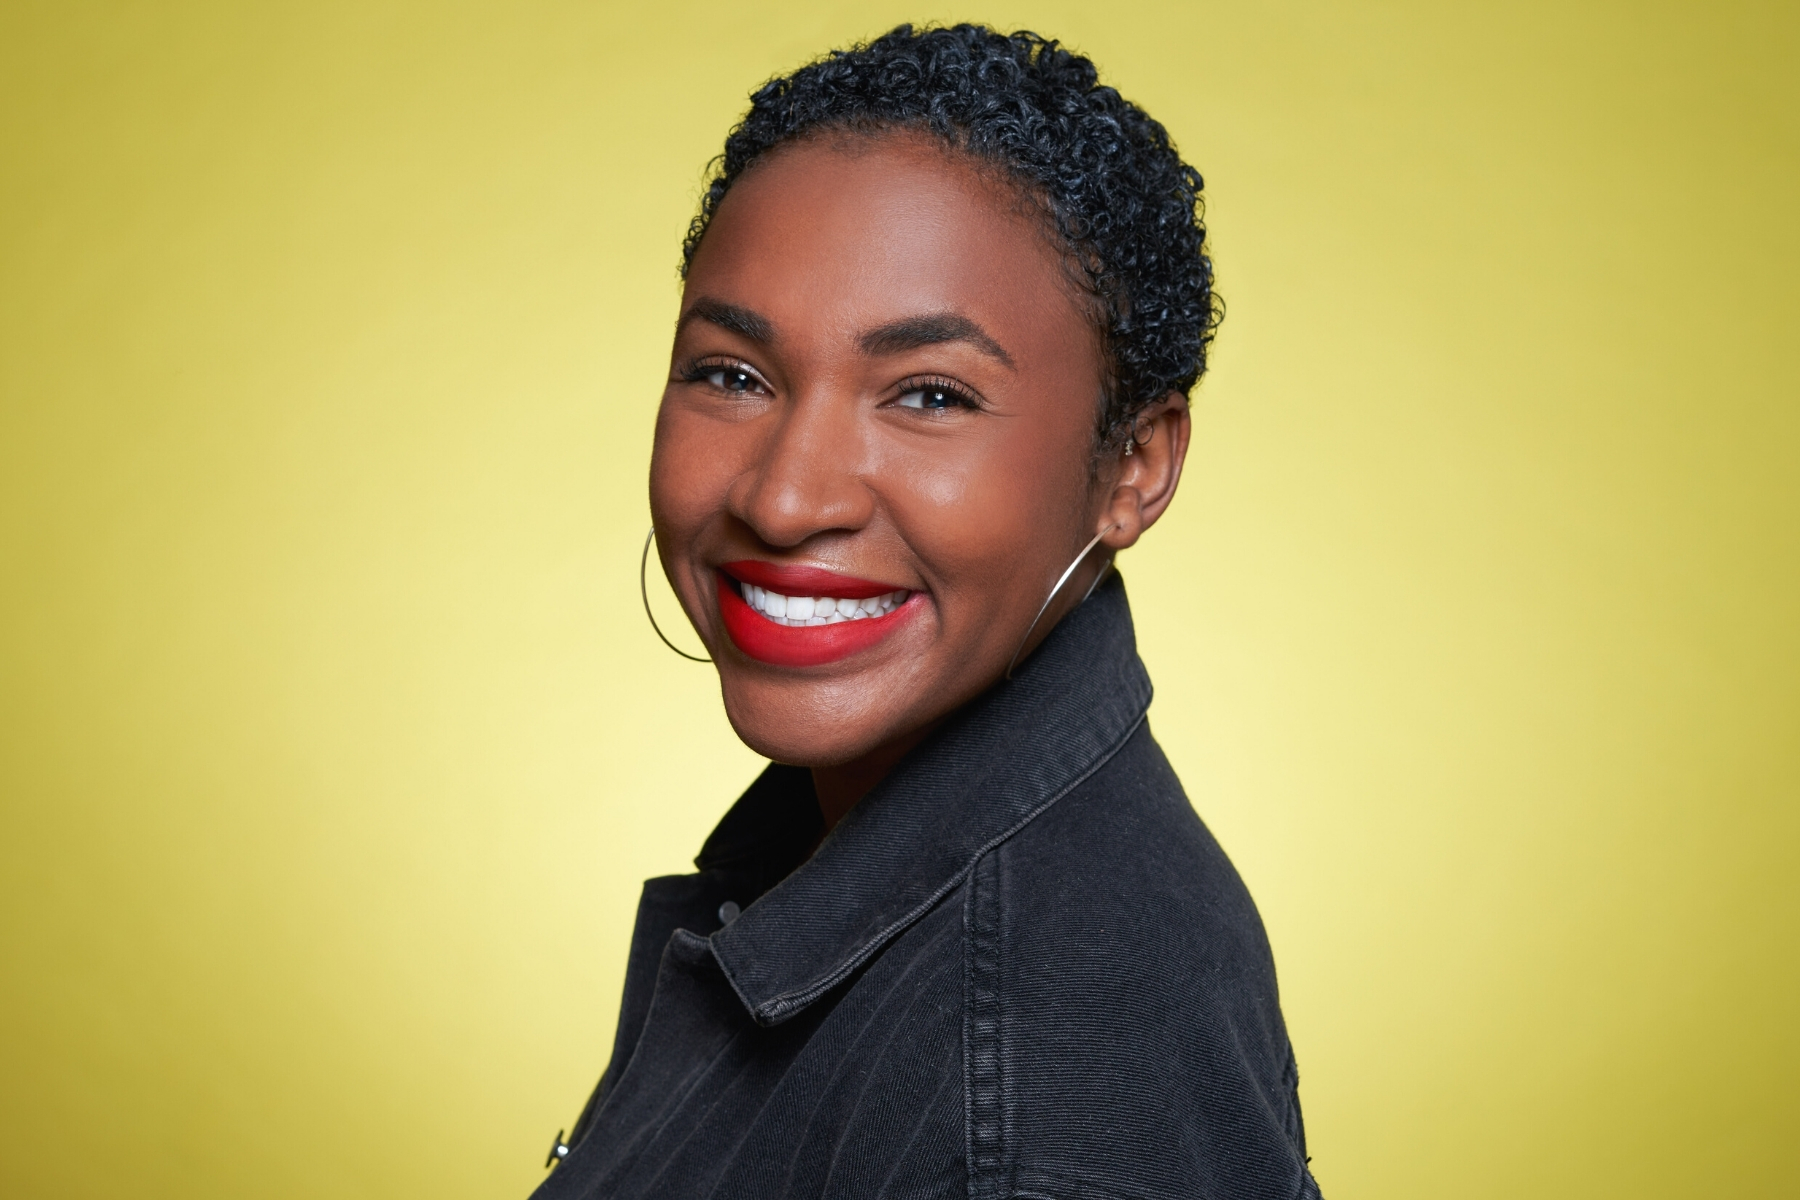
<point>818,610</point>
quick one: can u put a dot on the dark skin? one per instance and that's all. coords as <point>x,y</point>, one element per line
<point>883,369</point>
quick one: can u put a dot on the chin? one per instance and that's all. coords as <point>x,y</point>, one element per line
<point>814,696</point>
<point>809,725</point>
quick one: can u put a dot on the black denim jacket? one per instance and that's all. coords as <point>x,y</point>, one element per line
<point>1020,967</point>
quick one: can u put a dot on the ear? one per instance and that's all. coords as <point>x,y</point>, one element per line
<point>1147,477</point>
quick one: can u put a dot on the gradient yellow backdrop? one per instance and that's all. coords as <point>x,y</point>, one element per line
<point>333,745</point>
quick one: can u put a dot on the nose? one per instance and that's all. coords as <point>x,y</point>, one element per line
<point>806,480</point>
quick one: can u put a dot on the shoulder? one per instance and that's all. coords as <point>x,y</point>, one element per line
<point>1125,852</point>
<point>1138,1032</point>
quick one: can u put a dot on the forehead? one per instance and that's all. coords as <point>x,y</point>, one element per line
<point>834,235</point>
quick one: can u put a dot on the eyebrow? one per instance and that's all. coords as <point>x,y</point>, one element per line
<point>909,333</point>
<point>738,319</point>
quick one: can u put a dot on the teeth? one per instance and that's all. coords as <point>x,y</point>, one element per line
<point>818,610</point>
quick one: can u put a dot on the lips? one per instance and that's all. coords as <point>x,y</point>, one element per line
<point>804,616</point>
<point>805,581</point>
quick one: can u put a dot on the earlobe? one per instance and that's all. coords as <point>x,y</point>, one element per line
<point>1152,457</point>
<point>1124,513</point>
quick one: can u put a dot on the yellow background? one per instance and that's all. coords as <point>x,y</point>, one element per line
<point>333,745</point>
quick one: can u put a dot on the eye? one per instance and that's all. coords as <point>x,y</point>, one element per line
<point>731,379</point>
<point>935,396</point>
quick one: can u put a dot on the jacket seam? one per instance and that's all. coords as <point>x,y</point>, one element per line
<point>984,1132</point>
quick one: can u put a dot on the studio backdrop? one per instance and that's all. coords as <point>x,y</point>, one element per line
<point>334,745</point>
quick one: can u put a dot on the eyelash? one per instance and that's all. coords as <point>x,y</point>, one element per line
<point>700,369</point>
<point>960,396</point>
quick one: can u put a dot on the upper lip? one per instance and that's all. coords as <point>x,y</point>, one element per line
<point>790,580</point>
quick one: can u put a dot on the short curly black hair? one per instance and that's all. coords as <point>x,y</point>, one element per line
<point>1122,201</point>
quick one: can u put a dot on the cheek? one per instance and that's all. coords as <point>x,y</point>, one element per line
<point>689,473</point>
<point>980,518</point>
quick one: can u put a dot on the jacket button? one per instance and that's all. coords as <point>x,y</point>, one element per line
<point>728,912</point>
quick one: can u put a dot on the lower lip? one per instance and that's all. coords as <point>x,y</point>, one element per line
<point>803,645</point>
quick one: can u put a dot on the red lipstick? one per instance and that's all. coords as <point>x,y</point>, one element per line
<point>806,581</point>
<point>779,645</point>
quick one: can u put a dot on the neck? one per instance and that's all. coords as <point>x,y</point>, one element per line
<point>840,787</point>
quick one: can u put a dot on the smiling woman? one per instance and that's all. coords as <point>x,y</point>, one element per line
<point>944,302</point>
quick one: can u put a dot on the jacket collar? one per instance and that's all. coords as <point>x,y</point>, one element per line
<point>984,775</point>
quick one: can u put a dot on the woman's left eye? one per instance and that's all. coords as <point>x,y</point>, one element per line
<point>934,398</point>
<point>731,379</point>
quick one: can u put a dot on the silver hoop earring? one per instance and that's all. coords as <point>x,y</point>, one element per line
<point>1085,550</point>
<point>1131,438</point>
<point>644,592</point>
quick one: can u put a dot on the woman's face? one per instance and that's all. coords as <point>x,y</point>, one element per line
<point>873,456</point>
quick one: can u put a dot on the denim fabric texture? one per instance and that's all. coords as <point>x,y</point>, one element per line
<point>1020,967</point>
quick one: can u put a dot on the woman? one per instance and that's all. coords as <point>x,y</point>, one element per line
<point>944,302</point>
